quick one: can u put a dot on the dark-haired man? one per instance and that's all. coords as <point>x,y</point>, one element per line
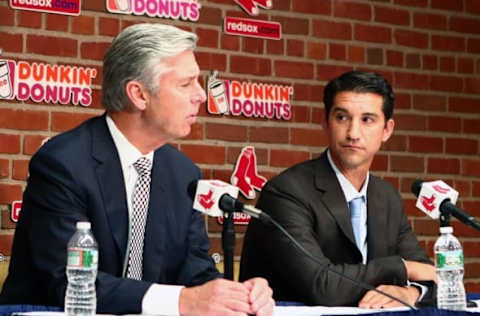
<point>350,220</point>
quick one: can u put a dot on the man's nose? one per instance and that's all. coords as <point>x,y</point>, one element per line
<point>353,131</point>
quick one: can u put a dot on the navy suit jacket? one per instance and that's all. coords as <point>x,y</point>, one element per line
<point>77,176</point>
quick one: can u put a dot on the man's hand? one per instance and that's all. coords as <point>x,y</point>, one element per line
<point>224,297</point>
<point>372,299</point>
<point>417,271</point>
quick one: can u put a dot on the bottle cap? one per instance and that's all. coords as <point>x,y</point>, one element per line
<point>83,225</point>
<point>446,230</point>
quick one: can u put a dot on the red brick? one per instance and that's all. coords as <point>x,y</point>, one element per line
<point>10,193</point>
<point>465,25</point>
<point>461,146</point>
<point>429,62</point>
<point>6,242</point>
<point>20,169</point>
<point>409,122</point>
<point>230,42</point>
<point>52,45</point>
<point>413,61</point>
<point>205,153</point>
<point>4,168</point>
<point>411,38</point>
<point>471,248</point>
<point>375,56</point>
<point>448,43</point>
<point>317,115</point>
<point>329,29</point>
<point>472,6</point>
<point>226,132</point>
<point>84,25</point>
<point>473,45</point>
<point>420,144</point>
<point>276,47</point>
<point>210,16</point>
<point>356,54</point>
<point>311,7</point>
<point>31,143</point>
<point>446,83</point>
<point>375,34</point>
<point>413,3</point>
<point>108,26</point>
<point>430,102</point>
<point>443,166</point>
<point>428,227</point>
<point>196,132</point>
<point>94,51</point>
<point>380,163</point>
<point>7,15</point>
<point>395,143</point>
<point>392,16</point>
<point>447,64</point>
<point>328,72</point>
<point>471,167</point>
<point>337,51</point>
<point>210,61</point>
<point>465,105</point>
<point>29,19</point>
<point>463,187</point>
<point>429,21</point>
<point>62,121</point>
<point>447,5</point>
<point>250,65</point>
<point>295,48</point>
<point>292,25</point>
<point>11,42</point>
<point>317,50</point>
<point>394,58</point>
<point>465,65</point>
<point>402,101</point>
<point>476,189</point>
<point>94,5</point>
<point>271,135</point>
<point>293,69</point>
<point>305,92</point>
<point>207,38</point>
<point>472,85</point>
<point>411,80</point>
<point>56,22</point>
<point>472,269</point>
<point>471,126</point>
<point>9,144</point>
<point>301,114</point>
<point>309,137</point>
<point>23,119</point>
<point>473,208</point>
<point>446,124</point>
<point>351,10</point>
<point>287,158</point>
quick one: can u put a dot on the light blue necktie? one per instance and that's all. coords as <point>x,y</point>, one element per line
<point>359,229</point>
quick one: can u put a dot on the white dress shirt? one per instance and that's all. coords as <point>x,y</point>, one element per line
<point>159,298</point>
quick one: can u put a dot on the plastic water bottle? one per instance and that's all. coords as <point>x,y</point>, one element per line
<point>449,263</point>
<point>82,262</point>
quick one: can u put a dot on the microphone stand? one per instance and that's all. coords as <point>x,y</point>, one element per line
<point>228,244</point>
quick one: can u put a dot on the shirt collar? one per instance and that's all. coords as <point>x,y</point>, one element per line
<point>349,190</point>
<point>127,152</point>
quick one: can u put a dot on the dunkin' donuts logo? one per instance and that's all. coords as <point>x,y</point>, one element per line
<point>39,82</point>
<point>250,99</point>
<point>172,9</point>
<point>251,6</point>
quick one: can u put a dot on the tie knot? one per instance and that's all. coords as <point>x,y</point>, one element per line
<point>143,166</point>
<point>355,206</point>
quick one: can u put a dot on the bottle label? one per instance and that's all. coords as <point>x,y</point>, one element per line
<point>450,260</point>
<point>82,258</point>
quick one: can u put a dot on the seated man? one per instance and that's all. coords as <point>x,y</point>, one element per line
<point>118,172</point>
<point>353,222</point>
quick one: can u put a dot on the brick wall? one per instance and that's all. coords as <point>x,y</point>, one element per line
<point>428,49</point>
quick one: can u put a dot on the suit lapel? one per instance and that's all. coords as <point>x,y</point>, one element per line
<point>376,221</point>
<point>333,198</point>
<point>111,182</point>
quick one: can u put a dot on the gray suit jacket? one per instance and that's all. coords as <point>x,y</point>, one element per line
<point>308,201</point>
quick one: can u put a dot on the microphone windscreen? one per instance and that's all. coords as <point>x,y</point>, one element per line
<point>416,186</point>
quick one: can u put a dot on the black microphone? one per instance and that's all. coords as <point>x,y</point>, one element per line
<point>227,203</point>
<point>448,208</point>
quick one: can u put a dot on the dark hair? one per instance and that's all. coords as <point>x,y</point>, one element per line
<point>361,82</point>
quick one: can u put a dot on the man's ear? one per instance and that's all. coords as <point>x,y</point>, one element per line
<point>388,130</point>
<point>137,94</point>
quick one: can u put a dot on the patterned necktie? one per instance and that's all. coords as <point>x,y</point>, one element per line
<point>139,217</point>
<point>358,226</point>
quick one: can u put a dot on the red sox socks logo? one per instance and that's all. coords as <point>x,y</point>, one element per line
<point>251,6</point>
<point>245,175</point>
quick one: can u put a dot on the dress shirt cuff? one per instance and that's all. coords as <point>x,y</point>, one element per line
<point>422,288</point>
<point>161,299</point>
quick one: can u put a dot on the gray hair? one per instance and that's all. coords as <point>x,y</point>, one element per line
<point>135,55</point>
